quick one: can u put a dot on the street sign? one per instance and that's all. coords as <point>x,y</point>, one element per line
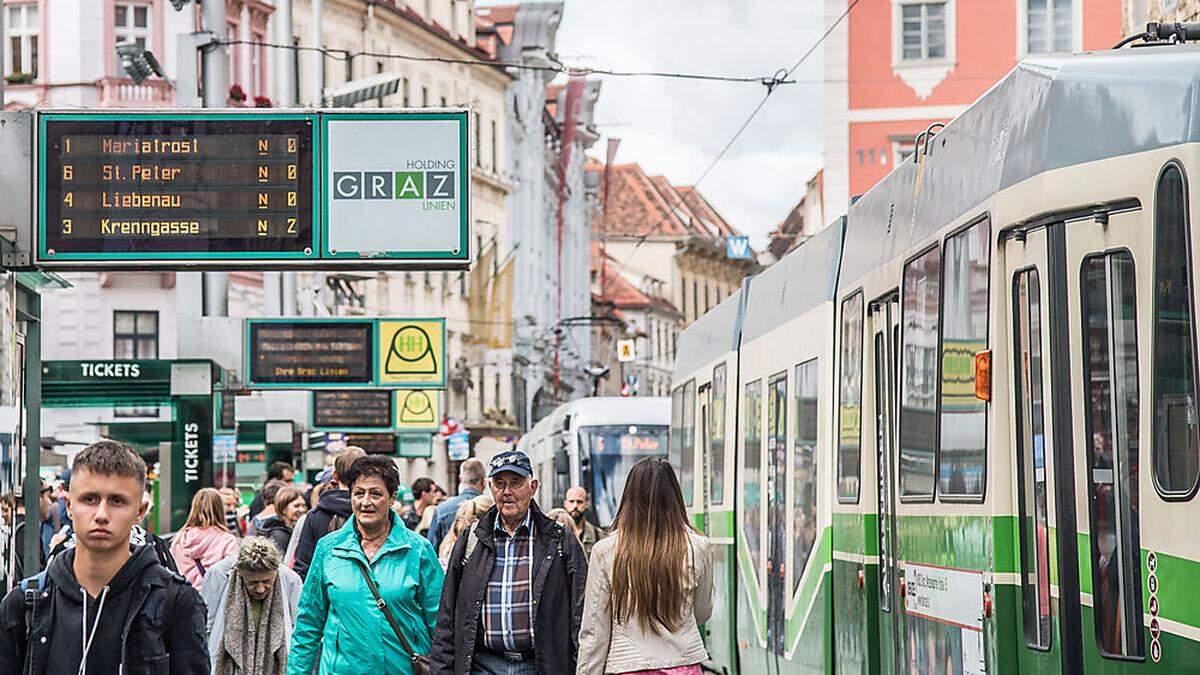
<point>737,247</point>
<point>458,446</point>
<point>415,445</point>
<point>412,352</point>
<point>418,410</point>
<point>299,354</point>
<point>339,353</point>
<point>396,186</point>
<point>348,409</point>
<point>626,351</point>
<point>176,187</point>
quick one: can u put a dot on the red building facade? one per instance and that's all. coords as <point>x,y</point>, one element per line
<point>893,67</point>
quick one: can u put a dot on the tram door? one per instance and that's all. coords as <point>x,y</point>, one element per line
<point>1109,262</point>
<point>884,323</point>
<point>1036,455</point>
<point>777,425</point>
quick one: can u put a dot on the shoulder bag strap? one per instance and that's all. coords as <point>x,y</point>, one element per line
<point>387,613</point>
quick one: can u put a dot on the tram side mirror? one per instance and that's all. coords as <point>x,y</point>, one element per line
<point>562,463</point>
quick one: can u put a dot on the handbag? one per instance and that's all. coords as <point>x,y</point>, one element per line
<point>420,662</point>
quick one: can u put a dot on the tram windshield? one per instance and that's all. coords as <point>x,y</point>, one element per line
<point>613,449</point>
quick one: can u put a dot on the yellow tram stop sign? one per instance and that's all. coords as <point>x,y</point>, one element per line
<point>418,409</point>
<point>412,353</point>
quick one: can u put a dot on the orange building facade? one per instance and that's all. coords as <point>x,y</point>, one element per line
<point>894,67</point>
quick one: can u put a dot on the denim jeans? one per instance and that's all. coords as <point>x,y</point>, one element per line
<point>486,663</point>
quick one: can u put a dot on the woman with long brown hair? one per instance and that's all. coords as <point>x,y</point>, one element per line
<point>649,585</point>
<point>204,540</point>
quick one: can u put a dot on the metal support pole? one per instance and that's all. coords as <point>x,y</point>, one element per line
<point>3,46</point>
<point>318,40</point>
<point>33,434</point>
<point>285,82</point>
<point>214,66</point>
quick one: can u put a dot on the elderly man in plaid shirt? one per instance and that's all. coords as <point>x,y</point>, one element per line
<point>513,595</point>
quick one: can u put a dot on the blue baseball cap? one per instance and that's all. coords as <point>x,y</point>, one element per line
<point>511,460</point>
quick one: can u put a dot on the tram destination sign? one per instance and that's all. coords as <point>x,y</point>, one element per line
<point>252,189</point>
<point>352,409</point>
<point>177,187</point>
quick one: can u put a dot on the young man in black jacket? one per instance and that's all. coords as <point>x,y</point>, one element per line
<point>512,600</point>
<point>333,510</point>
<point>103,607</point>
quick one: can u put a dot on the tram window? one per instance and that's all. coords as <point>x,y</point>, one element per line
<point>962,435</point>
<point>1111,402</point>
<point>804,470</point>
<point>716,435</point>
<point>849,458</point>
<point>920,300</point>
<point>1031,461</point>
<point>751,476</point>
<point>674,447</point>
<point>687,444</point>
<point>1176,421</point>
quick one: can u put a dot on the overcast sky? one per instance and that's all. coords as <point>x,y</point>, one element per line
<point>677,127</point>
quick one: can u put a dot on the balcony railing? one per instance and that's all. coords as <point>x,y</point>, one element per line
<point>120,92</point>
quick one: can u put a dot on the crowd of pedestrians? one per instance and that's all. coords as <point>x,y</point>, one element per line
<point>343,578</point>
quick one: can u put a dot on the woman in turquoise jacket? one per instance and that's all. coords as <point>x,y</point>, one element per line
<point>338,616</point>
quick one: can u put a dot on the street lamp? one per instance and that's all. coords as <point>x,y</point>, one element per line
<point>139,63</point>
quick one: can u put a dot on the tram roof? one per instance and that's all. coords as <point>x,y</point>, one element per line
<point>709,337</point>
<point>1047,113</point>
<point>800,281</point>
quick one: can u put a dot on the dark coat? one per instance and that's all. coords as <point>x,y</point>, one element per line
<point>162,631</point>
<point>558,585</point>
<point>333,510</point>
<point>277,531</point>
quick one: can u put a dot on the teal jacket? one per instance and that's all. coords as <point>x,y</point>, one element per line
<point>337,615</point>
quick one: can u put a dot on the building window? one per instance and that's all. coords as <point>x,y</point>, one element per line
<point>803,514</point>
<point>495,148</point>
<point>135,335</point>
<point>922,31</point>
<point>902,150</point>
<point>1176,432</point>
<point>424,97</point>
<point>920,299</point>
<point>1033,496</point>
<point>850,401</point>
<point>716,436</point>
<point>1110,381</point>
<point>131,23</point>
<point>22,54</point>
<point>963,416</point>
<point>1049,26</point>
<point>404,91</point>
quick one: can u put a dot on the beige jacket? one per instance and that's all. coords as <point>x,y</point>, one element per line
<point>608,647</point>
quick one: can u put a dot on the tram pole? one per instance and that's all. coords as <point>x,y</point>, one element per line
<point>32,492</point>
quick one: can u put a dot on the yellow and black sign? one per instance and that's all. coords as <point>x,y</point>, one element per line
<point>412,353</point>
<point>418,409</point>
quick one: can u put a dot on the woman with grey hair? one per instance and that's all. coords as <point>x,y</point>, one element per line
<point>251,598</point>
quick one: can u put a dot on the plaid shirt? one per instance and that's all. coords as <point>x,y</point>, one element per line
<point>507,613</point>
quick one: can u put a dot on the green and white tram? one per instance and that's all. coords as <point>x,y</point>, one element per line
<point>957,431</point>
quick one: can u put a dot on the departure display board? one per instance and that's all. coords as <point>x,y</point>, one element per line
<point>177,187</point>
<point>352,409</point>
<point>374,444</point>
<point>310,353</point>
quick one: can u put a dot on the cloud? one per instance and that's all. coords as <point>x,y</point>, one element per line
<point>676,127</point>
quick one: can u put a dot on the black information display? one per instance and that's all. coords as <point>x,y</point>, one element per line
<point>352,409</point>
<point>310,352</point>
<point>158,188</point>
<point>374,444</point>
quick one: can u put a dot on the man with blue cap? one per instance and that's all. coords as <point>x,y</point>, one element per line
<point>513,595</point>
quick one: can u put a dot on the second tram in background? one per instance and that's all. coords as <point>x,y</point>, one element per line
<point>593,442</point>
<point>957,431</point>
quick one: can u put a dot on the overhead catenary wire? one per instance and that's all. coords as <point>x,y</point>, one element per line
<point>347,55</point>
<point>737,134</point>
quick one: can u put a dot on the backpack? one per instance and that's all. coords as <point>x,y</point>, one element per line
<point>31,595</point>
<point>336,521</point>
